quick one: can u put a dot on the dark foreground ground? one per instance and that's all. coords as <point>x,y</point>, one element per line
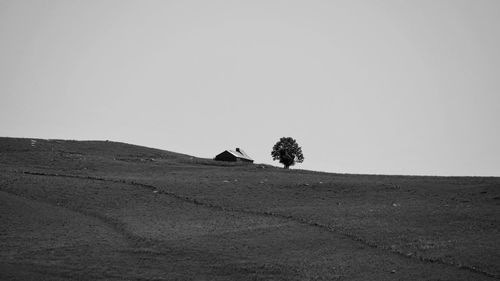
<point>110,211</point>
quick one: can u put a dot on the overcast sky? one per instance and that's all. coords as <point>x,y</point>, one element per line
<point>386,87</point>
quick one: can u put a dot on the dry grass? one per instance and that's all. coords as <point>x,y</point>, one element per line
<point>105,210</point>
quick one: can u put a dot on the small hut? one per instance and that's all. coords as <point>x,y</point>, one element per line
<point>234,156</point>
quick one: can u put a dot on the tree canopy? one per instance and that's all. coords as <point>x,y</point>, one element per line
<point>288,152</point>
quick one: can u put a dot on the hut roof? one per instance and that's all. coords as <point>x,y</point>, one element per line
<point>240,154</point>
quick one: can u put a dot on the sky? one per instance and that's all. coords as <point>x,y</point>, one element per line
<point>376,87</point>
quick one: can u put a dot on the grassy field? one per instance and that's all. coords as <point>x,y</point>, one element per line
<point>96,210</point>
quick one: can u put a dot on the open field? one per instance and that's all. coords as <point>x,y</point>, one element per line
<point>94,210</point>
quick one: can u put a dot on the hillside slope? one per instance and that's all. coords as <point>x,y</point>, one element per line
<point>90,210</point>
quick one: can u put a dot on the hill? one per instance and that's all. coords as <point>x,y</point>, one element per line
<point>101,210</point>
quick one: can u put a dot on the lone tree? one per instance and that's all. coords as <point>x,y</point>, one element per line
<point>288,152</point>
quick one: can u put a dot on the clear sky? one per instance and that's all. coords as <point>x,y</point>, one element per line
<point>386,87</point>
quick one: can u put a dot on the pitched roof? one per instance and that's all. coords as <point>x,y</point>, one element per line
<point>240,154</point>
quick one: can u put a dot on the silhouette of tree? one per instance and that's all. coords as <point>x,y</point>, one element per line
<point>288,152</point>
